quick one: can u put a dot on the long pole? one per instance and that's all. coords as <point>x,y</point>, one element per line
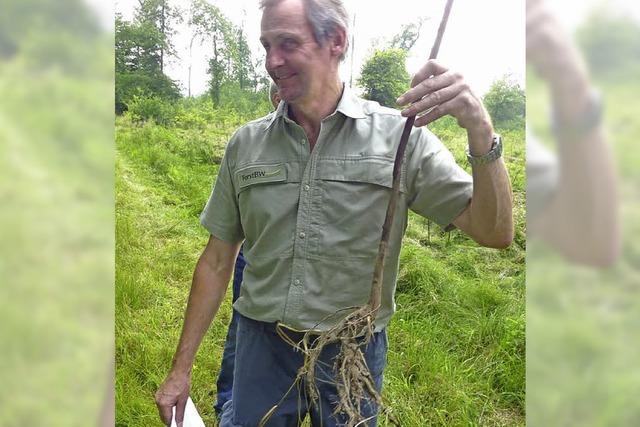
<point>376,286</point>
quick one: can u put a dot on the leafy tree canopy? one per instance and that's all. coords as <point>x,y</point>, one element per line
<point>506,103</point>
<point>384,76</point>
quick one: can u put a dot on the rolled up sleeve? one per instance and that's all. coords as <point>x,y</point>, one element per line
<point>438,188</point>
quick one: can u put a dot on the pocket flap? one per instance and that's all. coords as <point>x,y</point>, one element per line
<point>377,171</point>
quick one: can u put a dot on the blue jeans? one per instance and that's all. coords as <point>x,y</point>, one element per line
<point>265,369</point>
<point>225,378</point>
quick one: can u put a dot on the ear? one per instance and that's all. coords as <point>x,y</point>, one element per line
<point>338,42</point>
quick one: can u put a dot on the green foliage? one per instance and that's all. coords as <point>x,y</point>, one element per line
<point>245,102</point>
<point>610,42</point>
<point>384,76</point>
<point>138,64</point>
<point>200,114</point>
<point>155,85</point>
<point>154,108</point>
<point>160,16</point>
<point>408,35</point>
<point>506,103</point>
<point>241,60</point>
<point>230,59</point>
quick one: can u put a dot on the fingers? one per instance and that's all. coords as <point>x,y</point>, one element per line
<point>165,407</point>
<point>180,407</point>
<point>434,98</point>
<point>450,107</point>
<point>435,113</point>
<point>428,86</point>
<point>438,91</point>
<point>431,68</point>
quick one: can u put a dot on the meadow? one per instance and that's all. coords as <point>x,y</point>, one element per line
<point>456,344</point>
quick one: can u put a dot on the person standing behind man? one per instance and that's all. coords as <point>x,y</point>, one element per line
<point>224,384</point>
<point>306,189</point>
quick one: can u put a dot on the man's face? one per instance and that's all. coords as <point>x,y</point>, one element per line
<point>295,61</point>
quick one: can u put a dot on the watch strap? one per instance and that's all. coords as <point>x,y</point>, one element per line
<point>494,153</point>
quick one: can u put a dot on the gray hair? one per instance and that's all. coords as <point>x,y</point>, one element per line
<point>324,16</point>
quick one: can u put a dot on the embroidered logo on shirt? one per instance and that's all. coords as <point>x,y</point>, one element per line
<point>261,174</point>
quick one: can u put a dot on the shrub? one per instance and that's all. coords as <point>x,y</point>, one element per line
<point>505,101</point>
<point>143,108</point>
<point>384,76</point>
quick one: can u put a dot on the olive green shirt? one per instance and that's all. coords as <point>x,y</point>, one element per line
<point>312,220</point>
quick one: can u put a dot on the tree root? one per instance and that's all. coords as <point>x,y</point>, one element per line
<point>354,383</point>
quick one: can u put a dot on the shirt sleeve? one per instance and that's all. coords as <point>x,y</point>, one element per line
<point>221,216</point>
<point>438,188</point>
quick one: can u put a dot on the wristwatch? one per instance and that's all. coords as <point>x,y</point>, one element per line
<point>585,122</point>
<point>493,154</point>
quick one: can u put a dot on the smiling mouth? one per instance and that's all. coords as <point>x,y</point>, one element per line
<point>285,77</point>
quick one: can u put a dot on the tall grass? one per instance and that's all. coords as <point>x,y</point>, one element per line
<point>456,351</point>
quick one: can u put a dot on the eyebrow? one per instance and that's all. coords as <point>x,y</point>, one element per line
<point>281,36</point>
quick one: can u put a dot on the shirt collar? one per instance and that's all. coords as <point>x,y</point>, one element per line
<point>349,105</point>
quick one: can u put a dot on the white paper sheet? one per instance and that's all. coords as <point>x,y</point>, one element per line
<point>191,416</point>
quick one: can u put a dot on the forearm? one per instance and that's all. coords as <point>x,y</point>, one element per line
<point>491,206</point>
<point>490,217</point>
<point>582,217</point>
<point>210,281</point>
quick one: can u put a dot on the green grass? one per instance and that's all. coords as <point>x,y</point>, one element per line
<point>456,353</point>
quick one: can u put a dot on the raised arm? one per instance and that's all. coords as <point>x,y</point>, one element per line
<point>437,91</point>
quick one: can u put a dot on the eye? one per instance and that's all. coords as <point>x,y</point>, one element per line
<point>289,44</point>
<point>265,46</point>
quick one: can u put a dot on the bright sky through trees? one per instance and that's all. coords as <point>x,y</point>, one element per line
<point>484,40</point>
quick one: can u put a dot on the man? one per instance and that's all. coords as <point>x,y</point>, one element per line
<point>306,188</point>
<point>224,383</point>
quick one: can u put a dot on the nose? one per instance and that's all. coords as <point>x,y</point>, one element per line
<point>274,59</point>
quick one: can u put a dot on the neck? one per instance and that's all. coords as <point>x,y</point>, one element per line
<point>309,113</point>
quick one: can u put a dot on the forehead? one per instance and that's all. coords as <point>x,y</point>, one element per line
<point>286,17</point>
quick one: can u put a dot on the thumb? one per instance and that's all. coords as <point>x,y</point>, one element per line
<point>180,407</point>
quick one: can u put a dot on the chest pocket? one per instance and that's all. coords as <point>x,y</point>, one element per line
<point>267,199</point>
<point>354,194</point>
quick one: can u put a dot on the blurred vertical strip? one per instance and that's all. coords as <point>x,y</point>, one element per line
<point>583,214</point>
<point>56,212</point>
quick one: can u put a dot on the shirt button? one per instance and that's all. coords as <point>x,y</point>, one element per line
<point>306,187</point>
<point>302,141</point>
<point>297,282</point>
<point>301,235</point>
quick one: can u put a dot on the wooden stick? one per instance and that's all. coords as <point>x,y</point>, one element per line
<point>376,285</point>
